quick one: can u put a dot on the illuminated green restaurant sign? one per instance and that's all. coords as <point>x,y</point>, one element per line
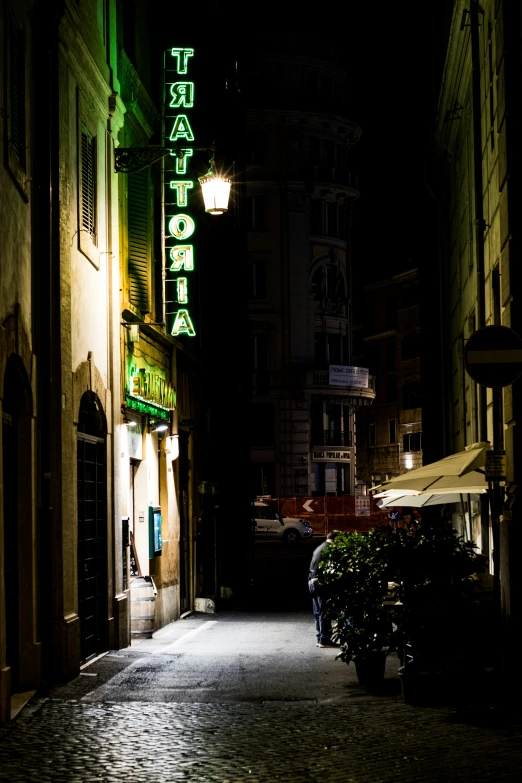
<point>179,225</point>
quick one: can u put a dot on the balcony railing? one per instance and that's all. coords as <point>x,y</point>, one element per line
<point>332,438</point>
<point>318,382</point>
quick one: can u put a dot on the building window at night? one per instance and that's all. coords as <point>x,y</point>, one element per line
<point>330,478</point>
<point>392,430</point>
<point>261,379</point>
<point>255,148</point>
<point>371,434</point>
<point>412,441</point>
<point>390,355</point>
<point>256,213</point>
<point>16,86</point>
<point>257,279</point>
<point>411,395</point>
<point>410,346</point>
<point>327,218</point>
<point>88,183</point>
<point>262,423</point>
<point>391,388</point>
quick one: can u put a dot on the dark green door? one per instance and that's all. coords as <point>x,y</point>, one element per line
<point>92,545</point>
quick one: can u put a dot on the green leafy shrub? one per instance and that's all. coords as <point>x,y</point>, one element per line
<point>433,621</point>
<point>354,577</point>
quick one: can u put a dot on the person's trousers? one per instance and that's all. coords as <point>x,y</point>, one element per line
<point>323,624</point>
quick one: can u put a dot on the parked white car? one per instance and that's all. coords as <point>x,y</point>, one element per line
<point>270,524</point>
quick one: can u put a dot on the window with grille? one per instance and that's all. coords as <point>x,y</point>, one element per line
<point>17,91</point>
<point>88,184</point>
<point>138,239</point>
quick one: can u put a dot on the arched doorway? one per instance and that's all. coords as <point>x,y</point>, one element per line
<point>17,507</point>
<point>92,526</point>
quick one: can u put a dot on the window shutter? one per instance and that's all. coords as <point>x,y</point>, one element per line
<point>88,210</point>
<point>138,239</point>
<point>17,91</point>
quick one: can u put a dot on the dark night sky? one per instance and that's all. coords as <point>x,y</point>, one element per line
<point>393,98</point>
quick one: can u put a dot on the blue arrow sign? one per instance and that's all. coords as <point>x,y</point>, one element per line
<point>394,515</point>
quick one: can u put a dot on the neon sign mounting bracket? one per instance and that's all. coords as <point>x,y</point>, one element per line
<point>131,160</point>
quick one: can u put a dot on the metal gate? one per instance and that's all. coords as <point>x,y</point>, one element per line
<point>92,545</point>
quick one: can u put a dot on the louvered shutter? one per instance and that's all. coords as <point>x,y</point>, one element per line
<point>138,239</point>
<point>17,91</point>
<point>88,211</point>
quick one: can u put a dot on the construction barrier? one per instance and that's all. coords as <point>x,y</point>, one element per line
<point>340,512</point>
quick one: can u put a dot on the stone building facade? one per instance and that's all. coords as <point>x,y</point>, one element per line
<point>476,181</point>
<point>389,433</point>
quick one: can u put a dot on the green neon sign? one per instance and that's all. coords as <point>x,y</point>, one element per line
<point>182,257</point>
<point>182,324</point>
<point>181,154</point>
<point>147,407</point>
<point>181,187</point>
<point>181,129</point>
<point>181,56</point>
<point>181,283</point>
<point>181,226</point>
<point>179,96</point>
<point>182,95</point>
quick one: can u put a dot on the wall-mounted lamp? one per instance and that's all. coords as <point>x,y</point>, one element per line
<point>126,421</point>
<point>158,426</point>
<point>215,187</point>
<point>134,333</point>
<point>216,190</point>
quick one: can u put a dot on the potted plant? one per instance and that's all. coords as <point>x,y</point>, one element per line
<point>354,576</point>
<point>436,615</point>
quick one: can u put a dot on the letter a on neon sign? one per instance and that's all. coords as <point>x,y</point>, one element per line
<point>182,324</point>
<point>181,129</point>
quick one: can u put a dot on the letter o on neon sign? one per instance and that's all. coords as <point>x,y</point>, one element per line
<point>181,226</point>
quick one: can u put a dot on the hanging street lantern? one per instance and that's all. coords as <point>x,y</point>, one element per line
<point>216,191</point>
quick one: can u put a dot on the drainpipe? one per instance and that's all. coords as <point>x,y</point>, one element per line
<point>479,226</point>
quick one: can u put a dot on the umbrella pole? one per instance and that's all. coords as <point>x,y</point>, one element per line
<point>463,512</point>
<point>470,519</point>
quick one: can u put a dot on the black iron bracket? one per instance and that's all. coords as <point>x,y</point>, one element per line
<point>131,160</point>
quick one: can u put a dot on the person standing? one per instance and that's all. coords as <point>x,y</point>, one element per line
<point>323,624</point>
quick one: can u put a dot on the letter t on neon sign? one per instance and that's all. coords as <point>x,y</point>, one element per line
<point>181,56</point>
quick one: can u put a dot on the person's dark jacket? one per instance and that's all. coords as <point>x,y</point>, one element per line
<point>316,558</point>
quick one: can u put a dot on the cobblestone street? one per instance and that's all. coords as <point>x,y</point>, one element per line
<point>56,740</point>
<point>248,697</point>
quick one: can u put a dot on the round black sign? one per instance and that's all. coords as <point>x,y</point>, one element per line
<point>493,356</point>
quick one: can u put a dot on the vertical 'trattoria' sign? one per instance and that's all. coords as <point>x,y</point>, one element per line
<point>179,225</point>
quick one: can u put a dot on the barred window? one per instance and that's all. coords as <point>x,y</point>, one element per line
<point>88,183</point>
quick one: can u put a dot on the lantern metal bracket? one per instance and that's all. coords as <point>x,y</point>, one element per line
<point>131,160</point>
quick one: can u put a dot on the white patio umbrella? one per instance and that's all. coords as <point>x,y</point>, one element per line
<point>426,499</point>
<point>444,481</point>
<point>458,473</point>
